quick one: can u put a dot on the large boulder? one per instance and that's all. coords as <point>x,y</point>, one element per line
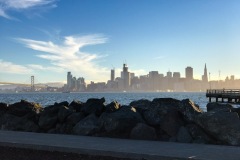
<point>112,107</point>
<point>24,107</point>
<point>3,108</point>
<point>120,123</point>
<point>74,118</point>
<point>198,135</point>
<point>183,135</point>
<point>76,106</point>
<point>49,117</point>
<point>87,126</point>
<point>143,132</point>
<point>15,123</point>
<point>63,113</point>
<point>237,110</point>
<point>223,126</point>
<point>141,105</point>
<point>66,127</point>
<point>159,107</point>
<point>189,109</point>
<point>94,105</point>
<point>216,107</point>
<point>63,128</point>
<point>171,122</point>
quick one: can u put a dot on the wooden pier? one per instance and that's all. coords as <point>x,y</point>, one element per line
<point>231,95</point>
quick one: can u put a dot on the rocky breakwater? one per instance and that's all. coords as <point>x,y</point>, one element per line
<point>163,119</point>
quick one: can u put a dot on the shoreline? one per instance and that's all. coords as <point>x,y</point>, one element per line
<point>162,119</point>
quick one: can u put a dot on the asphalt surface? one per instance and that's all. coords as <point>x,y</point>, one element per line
<point>119,148</point>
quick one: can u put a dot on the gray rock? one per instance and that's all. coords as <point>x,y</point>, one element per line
<point>143,132</point>
<point>223,126</point>
<point>24,107</point>
<point>237,110</point>
<point>189,109</point>
<point>74,118</point>
<point>183,136</point>
<point>3,107</point>
<point>63,113</point>
<point>49,117</point>
<point>171,123</point>
<point>87,126</point>
<point>15,123</point>
<point>141,105</point>
<point>154,115</point>
<point>94,105</point>
<point>112,107</point>
<point>120,123</point>
<point>76,106</point>
<point>65,128</point>
<point>198,135</point>
<point>218,107</point>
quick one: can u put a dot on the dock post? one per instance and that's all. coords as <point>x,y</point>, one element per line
<point>210,100</point>
<point>222,100</point>
<point>216,99</point>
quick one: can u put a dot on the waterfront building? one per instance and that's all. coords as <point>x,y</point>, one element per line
<point>176,75</point>
<point>169,74</point>
<point>69,81</point>
<point>154,80</point>
<point>205,75</point>
<point>125,75</point>
<point>189,73</point>
<point>112,74</point>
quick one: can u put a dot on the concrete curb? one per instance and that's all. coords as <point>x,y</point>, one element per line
<point>120,148</point>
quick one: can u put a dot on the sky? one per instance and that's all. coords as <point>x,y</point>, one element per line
<point>48,38</point>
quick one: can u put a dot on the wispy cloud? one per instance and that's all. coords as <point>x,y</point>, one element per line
<point>45,68</point>
<point>23,5</point>
<point>67,55</point>
<point>9,67</point>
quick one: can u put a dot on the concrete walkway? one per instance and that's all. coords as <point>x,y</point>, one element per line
<point>122,148</point>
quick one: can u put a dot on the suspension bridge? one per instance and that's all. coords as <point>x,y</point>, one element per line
<point>31,85</point>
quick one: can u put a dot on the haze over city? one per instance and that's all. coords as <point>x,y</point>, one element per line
<point>48,38</point>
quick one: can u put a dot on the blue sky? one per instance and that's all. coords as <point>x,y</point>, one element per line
<point>47,38</point>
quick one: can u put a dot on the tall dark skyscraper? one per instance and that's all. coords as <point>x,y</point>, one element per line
<point>69,80</point>
<point>205,75</point>
<point>189,73</point>
<point>125,75</point>
<point>112,74</point>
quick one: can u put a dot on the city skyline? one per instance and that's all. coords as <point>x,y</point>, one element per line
<point>48,38</point>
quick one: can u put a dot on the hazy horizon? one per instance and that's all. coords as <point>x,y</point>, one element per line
<point>48,38</point>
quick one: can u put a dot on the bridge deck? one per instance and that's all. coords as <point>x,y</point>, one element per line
<point>229,94</point>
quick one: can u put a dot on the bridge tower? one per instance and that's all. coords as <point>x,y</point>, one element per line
<point>32,84</point>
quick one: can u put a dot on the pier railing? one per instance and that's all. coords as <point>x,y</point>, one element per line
<point>224,93</point>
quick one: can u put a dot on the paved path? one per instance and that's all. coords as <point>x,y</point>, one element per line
<point>122,148</point>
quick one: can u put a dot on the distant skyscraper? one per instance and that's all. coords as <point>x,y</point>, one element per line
<point>169,74</point>
<point>112,74</point>
<point>189,73</point>
<point>125,75</point>
<point>69,80</point>
<point>154,80</point>
<point>205,75</point>
<point>176,75</point>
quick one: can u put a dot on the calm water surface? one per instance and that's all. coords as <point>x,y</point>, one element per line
<point>123,98</point>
